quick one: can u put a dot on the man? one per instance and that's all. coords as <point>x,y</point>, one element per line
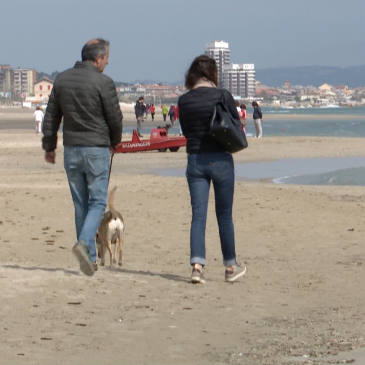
<point>92,125</point>
<point>139,110</point>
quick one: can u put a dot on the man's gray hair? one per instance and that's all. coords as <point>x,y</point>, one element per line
<point>94,48</point>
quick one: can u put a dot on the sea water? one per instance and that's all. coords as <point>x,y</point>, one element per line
<point>298,171</point>
<point>322,122</point>
<point>306,171</point>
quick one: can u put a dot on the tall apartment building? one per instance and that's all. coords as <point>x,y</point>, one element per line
<point>219,51</point>
<point>239,79</point>
<point>4,78</point>
<point>22,81</point>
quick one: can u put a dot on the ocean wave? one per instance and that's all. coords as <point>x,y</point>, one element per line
<point>330,106</point>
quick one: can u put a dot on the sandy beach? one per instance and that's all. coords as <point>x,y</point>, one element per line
<point>300,302</point>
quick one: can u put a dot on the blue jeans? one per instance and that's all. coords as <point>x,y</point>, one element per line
<point>87,170</point>
<point>201,170</point>
<point>139,124</point>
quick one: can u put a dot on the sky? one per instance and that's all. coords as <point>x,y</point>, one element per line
<point>158,39</point>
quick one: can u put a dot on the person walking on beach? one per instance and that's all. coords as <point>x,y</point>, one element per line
<point>257,117</point>
<point>164,112</point>
<point>139,111</point>
<point>88,103</point>
<point>243,117</point>
<point>152,111</point>
<point>177,117</point>
<point>207,162</point>
<point>38,117</point>
<point>172,115</point>
<point>238,107</point>
<point>147,109</point>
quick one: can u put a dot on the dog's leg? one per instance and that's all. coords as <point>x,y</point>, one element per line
<point>109,247</point>
<point>116,249</point>
<point>102,250</point>
<point>121,241</point>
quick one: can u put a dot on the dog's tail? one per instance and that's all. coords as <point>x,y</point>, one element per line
<point>111,202</point>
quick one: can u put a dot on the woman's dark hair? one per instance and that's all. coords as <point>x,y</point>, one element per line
<point>254,103</point>
<point>243,106</point>
<point>203,67</point>
<point>92,50</point>
<point>38,108</point>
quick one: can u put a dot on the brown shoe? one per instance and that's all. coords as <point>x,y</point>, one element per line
<point>197,277</point>
<point>82,255</point>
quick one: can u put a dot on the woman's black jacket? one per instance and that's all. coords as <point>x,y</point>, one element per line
<point>195,113</point>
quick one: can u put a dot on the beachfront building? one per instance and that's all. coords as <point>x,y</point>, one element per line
<point>22,81</point>
<point>240,79</point>
<point>325,87</point>
<point>4,80</point>
<point>219,51</point>
<point>42,89</point>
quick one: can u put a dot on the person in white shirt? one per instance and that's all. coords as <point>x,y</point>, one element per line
<point>38,117</point>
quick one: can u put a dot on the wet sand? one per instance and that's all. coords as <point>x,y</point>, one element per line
<point>300,300</point>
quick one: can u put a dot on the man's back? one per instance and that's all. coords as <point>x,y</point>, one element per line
<point>88,102</point>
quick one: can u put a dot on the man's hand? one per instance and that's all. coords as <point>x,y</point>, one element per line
<point>113,149</point>
<point>50,157</point>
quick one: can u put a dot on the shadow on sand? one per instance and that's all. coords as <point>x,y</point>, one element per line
<point>54,269</point>
<point>115,270</point>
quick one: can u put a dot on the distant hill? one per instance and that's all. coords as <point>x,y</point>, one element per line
<point>150,81</point>
<point>52,76</point>
<point>312,75</point>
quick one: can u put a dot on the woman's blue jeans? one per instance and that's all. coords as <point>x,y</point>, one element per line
<point>87,170</point>
<point>201,170</point>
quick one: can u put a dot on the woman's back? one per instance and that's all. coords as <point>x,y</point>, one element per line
<point>196,109</point>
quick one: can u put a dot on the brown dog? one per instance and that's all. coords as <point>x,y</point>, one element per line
<point>111,231</point>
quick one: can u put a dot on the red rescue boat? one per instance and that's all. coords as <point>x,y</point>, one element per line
<point>159,140</point>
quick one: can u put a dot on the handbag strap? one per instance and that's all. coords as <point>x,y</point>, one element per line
<point>110,166</point>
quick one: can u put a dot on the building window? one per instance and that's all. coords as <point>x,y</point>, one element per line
<point>49,87</point>
<point>40,95</point>
<point>40,87</point>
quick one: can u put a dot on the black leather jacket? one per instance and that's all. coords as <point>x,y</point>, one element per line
<point>88,102</point>
<point>196,111</point>
<point>257,114</point>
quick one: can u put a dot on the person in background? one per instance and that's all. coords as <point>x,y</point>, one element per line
<point>164,112</point>
<point>88,102</point>
<point>177,117</point>
<point>147,109</point>
<point>139,111</point>
<point>38,117</point>
<point>238,107</point>
<point>243,117</point>
<point>172,115</point>
<point>257,117</point>
<point>208,163</point>
<point>152,111</point>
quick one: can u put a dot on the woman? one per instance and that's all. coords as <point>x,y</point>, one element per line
<point>257,117</point>
<point>172,115</point>
<point>243,117</point>
<point>147,110</point>
<point>207,162</point>
<point>152,110</point>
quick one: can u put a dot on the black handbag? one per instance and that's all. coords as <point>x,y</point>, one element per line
<point>226,130</point>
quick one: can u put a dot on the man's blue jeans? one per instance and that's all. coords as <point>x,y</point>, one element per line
<point>87,171</point>
<point>201,170</point>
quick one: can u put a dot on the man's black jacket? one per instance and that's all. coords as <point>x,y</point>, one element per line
<point>139,109</point>
<point>88,102</point>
